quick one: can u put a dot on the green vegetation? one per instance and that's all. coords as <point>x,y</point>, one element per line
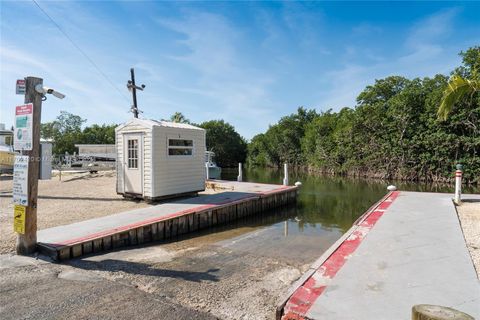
<point>393,132</point>
<point>179,117</point>
<point>229,147</point>
<point>411,129</point>
<point>66,131</point>
<point>464,85</point>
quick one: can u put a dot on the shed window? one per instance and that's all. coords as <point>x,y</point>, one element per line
<point>132,153</point>
<point>180,147</point>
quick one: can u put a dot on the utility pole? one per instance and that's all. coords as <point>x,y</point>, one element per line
<point>133,88</point>
<point>26,243</point>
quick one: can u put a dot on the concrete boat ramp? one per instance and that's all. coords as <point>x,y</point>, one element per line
<point>164,221</point>
<point>408,249</point>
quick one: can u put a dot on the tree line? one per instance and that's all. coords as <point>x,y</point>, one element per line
<point>66,130</point>
<point>395,131</point>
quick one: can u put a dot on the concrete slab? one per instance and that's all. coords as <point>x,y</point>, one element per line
<point>414,254</point>
<point>14,261</point>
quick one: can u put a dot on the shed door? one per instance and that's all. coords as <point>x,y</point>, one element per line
<point>133,163</point>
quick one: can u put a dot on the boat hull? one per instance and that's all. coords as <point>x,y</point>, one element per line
<point>214,172</point>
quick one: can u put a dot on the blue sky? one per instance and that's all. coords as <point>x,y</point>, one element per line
<point>248,63</point>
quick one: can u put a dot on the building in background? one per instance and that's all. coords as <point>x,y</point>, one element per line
<point>7,155</point>
<point>159,159</point>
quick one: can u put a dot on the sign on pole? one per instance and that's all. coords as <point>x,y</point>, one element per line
<point>19,219</point>
<point>20,87</point>
<point>23,127</point>
<point>20,180</point>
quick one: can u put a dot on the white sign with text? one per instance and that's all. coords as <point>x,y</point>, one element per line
<point>20,180</point>
<point>23,139</point>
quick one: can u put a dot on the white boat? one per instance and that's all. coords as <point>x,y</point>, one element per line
<point>214,171</point>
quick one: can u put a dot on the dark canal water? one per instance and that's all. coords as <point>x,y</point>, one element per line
<point>326,208</point>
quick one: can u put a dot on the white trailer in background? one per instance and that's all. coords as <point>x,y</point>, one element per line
<point>159,159</point>
<point>102,152</point>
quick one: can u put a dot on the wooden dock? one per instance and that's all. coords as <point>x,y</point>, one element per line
<point>165,221</point>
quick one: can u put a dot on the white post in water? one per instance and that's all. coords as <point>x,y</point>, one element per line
<point>207,175</point>
<point>458,184</point>
<point>285,174</point>
<point>240,173</point>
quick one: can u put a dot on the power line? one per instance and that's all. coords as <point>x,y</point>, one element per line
<point>81,51</point>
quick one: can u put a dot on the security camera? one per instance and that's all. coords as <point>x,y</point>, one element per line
<point>41,89</point>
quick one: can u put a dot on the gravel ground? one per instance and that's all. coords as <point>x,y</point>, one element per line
<point>216,275</point>
<point>36,289</point>
<point>77,197</point>
<point>469,214</point>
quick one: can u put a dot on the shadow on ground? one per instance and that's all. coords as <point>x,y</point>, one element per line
<point>136,268</point>
<point>8,194</point>
<point>471,200</point>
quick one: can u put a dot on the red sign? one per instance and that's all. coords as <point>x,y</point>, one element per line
<point>25,109</point>
<point>20,87</point>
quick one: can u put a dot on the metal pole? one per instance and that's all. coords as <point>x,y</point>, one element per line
<point>285,174</point>
<point>207,174</point>
<point>134,94</point>
<point>26,243</point>
<point>240,173</point>
<point>458,184</point>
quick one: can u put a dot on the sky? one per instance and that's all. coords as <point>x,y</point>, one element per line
<point>249,63</point>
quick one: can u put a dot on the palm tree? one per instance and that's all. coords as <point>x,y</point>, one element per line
<point>457,88</point>
<point>179,117</point>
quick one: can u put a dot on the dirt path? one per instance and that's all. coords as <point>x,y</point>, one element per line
<point>77,197</point>
<point>469,214</point>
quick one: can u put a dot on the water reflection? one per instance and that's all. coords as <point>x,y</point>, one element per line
<point>327,203</point>
<point>324,203</point>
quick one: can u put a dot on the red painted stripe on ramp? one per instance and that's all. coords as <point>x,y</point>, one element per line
<point>305,295</point>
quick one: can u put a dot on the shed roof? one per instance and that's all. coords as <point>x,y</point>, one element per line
<point>151,123</point>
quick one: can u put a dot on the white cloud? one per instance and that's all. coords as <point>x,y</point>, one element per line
<point>425,53</point>
<point>432,29</point>
<point>366,29</point>
<point>233,88</point>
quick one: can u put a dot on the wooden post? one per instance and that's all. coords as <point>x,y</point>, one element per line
<point>26,243</point>
<point>432,312</point>
<point>240,173</point>
<point>458,184</point>
<point>285,174</point>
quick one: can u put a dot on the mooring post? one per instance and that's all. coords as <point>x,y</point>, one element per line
<point>207,175</point>
<point>458,184</point>
<point>285,174</point>
<point>433,312</point>
<point>240,173</point>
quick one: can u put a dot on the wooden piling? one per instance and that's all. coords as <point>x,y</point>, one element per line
<point>432,312</point>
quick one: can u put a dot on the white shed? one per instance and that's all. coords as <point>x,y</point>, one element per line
<point>159,159</point>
